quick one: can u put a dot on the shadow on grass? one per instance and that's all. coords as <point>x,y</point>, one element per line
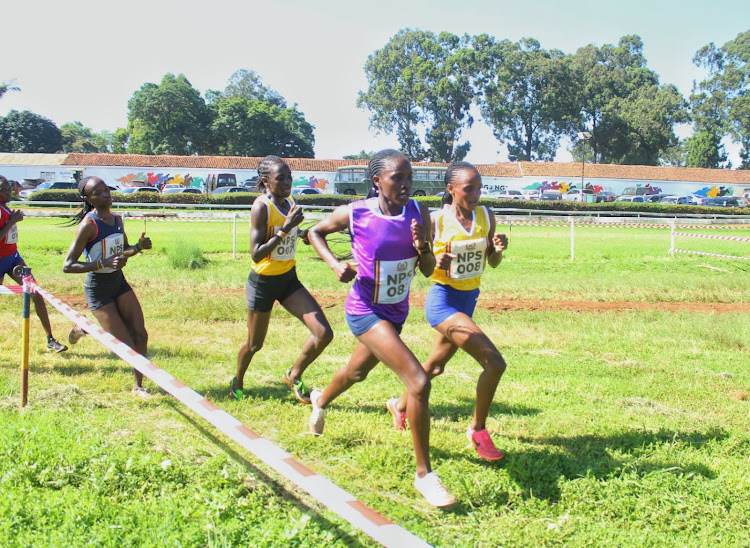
<point>72,367</point>
<point>539,470</point>
<point>464,408</point>
<point>274,485</point>
<point>276,391</point>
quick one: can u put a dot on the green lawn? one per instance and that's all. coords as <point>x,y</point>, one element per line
<point>625,427</point>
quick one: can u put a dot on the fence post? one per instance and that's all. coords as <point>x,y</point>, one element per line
<point>671,237</point>
<point>234,237</point>
<point>572,240</point>
<point>25,274</point>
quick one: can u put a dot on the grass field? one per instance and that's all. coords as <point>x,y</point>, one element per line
<point>623,414</point>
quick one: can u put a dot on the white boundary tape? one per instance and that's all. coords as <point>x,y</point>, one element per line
<point>322,489</point>
<point>712,237</point>
<point>12,290</point>
<point>610,224</point>
<point>675,250</point>
<point>180,219</point>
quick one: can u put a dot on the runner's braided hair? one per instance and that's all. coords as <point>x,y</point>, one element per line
<point>450,174</point>
<point>265,167</point>
<point>377,164</point>
<point>81,214</point>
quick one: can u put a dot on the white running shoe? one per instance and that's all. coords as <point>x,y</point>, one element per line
<point>433,490</point>
<point>75,334</point>
<point>318,415</point>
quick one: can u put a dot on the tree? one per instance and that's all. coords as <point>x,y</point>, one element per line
<point>10,85</point>
<point>721,102</point>
<point>77,138</point>
<point>704,149</point>
<point>252,127</point>
<point>525,97</point>
<point>675,155</point>
<point>248,84</point>
<point>119,141</point>
<point>361,155</point>
<point>420,83</point>
<point>29,132</point>
<point>169,118</point>
<point>630,115</point>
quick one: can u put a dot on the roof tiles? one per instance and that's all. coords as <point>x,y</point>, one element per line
<point>500,169</point>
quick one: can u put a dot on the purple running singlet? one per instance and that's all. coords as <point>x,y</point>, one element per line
<point>383,249</point>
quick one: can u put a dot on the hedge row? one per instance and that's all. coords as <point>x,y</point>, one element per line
<point>328,200</point>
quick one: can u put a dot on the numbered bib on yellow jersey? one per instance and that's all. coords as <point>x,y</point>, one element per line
<point>469,260</point>
<point>287,248</point>
<point>392,279</point>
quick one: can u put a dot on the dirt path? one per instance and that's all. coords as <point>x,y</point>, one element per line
<point>329,299</point>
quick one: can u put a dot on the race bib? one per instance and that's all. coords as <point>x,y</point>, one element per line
<point>469,261</point>
<point>108,247</point>
<point>392,279</point>
<point>112,245</point>
<point>12,236</point>
<point>287,248</point>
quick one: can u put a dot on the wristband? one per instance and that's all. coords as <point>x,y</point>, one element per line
<point>426,248</point>
<point>281,234</point>
<point>99,265</point>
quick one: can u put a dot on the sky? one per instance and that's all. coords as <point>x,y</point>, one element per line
<point>82,60</point>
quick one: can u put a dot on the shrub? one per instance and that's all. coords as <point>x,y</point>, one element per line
<point>54,196</point>
<point>185,255</point>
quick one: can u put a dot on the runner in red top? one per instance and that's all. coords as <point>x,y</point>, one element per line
<point>11,261</point>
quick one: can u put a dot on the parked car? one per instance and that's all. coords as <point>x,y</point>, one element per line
<point>132,189</point>
<point>576,195</point>
<point>63,185</point>
<point>551,195</point>
<point>630,198</point>
<point>182,190</point>
<point>605,196</point>
<point>654,198</point>
<point>305,190</point>
<point>506,195</point>
<point>684,200</point>
<point>698,200</point>
<point>531,194</point>
<point>225,189</point>
<point>25,193</point>
<point>727,201</point>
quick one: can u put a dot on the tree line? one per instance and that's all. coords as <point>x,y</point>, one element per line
<point>424,88</point>
<point>246,119</point>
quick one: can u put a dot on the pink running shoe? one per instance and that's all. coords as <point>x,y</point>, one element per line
<point>399,418</point>
<point>483,444</point>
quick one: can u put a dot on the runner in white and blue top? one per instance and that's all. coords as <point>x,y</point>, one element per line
<point>102,239</point>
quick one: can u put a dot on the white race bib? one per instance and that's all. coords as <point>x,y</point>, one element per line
<point>287,248</point>
<point>392,279</point>
<point>469,261</point>
<point>106,248</point>
<point>12,236</point>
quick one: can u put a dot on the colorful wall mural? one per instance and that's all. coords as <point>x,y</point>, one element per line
<point>310,181</point>
<point>161,179</point>
<point>324,182</point>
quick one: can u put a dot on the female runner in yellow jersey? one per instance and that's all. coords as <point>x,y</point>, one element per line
<point>464,240</point>
<point>274,220</point>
